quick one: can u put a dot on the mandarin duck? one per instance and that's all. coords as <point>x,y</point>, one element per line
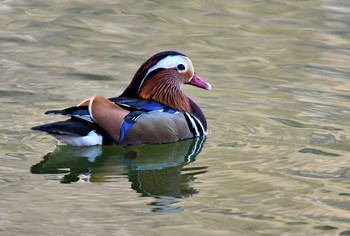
<point>152,109</point>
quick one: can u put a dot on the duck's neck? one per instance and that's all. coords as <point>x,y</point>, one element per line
<point>166,91</point>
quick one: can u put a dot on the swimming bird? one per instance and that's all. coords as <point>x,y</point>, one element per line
<point>152,110</point>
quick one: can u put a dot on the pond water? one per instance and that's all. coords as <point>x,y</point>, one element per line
<point>277,157</point>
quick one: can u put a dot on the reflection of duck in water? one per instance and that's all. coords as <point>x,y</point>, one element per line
<point>153,170</point>
<point>152,109</point>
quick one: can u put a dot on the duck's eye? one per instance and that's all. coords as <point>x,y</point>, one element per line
<point>180,67</point>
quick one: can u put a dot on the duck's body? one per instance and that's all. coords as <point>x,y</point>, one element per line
<point>151,110</point>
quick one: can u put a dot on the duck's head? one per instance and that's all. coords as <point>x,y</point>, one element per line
<point>161,78</point>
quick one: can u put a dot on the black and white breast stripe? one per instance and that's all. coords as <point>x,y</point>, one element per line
<point>195,125</point>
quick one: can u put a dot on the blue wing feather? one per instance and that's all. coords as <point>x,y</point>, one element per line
<point>131,104</point>
<point>138,104</point>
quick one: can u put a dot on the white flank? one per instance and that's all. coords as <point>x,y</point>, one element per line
<point>89,140</point>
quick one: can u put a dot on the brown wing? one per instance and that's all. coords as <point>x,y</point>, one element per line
<point>107,114</point>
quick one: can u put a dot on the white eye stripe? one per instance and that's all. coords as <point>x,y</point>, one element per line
<point>168,62</point>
